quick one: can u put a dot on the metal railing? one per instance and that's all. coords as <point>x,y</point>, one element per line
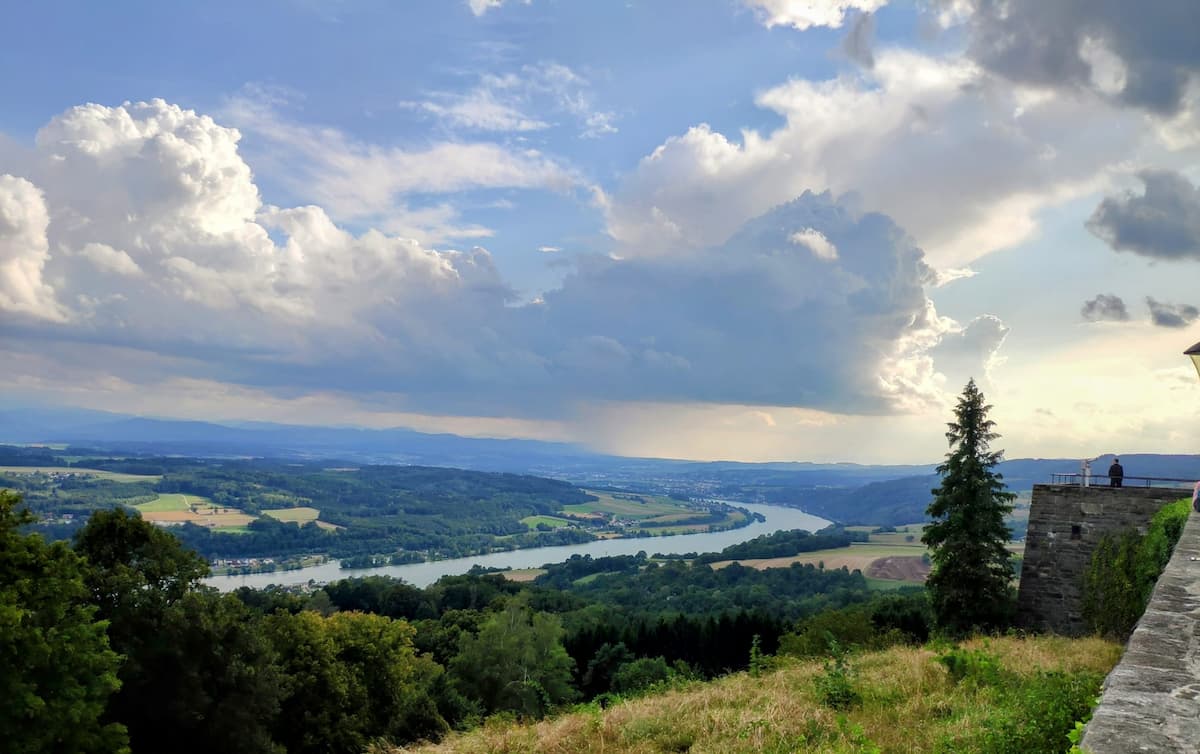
<point>1102,480</point>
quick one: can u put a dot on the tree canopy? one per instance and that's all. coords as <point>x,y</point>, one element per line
<point>56,668</point>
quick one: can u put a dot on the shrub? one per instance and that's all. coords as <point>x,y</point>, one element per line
<point>975,666</point>
<point>1030,715</point>
<point>835,687</point>
<point>1124,568</point>
<point>1025,714</point>
<point>640,675</point>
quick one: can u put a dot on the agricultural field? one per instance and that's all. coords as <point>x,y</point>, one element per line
<point>633,513</point>
<point>908,534</point>
<point>888,559</point>
<point>175,508</point>
<point>627,506</point>
<point>733,519</point>
<point>300,515</point>
<point>68,471</point>
<point>522,575</point>
<point>551,521</point>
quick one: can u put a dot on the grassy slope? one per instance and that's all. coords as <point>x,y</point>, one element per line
<point>168,502</point>
<point>533,521</point>
<point>910,704</point>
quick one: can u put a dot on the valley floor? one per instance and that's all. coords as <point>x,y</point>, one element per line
<point>909,704</point>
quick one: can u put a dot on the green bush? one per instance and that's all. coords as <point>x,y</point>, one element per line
<point>1124,568</point>
<point>835,687</point>
<point>883,622</point>
<point>974,666</point>
<point>1030,715</point>
<point>1025,714</point>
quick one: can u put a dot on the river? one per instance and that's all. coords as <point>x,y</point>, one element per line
<point>424,574</point>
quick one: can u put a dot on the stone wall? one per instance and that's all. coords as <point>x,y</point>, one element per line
<point>1151,699</point>
<point>1066,522</point>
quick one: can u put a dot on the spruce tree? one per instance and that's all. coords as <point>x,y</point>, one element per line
<point>970,585</point>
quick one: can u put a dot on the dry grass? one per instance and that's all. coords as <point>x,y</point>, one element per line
<point>909,705</point>
<point>300,514</point>
<point>858,557</point>
<point>523,575</point>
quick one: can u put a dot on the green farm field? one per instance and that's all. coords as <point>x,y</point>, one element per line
<point>173,501</point>
<point>631,509</point>
<point>553,521</point>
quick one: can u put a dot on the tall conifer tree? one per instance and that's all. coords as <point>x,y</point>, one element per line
<point>971,582</point>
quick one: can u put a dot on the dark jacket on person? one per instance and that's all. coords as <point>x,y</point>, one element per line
<point>1116,473</point>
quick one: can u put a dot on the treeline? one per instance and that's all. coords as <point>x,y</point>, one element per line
<point>783,544</point>
<point>113,644</point>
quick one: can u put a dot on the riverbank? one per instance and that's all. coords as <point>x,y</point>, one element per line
<point>773,518</point>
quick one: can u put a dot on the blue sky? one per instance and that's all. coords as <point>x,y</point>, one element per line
<point>751,229</point>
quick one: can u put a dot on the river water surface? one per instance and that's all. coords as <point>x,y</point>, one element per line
<point>424,574</point>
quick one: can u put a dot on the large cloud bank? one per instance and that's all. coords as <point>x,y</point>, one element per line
<point>1142,54</point>
<point>910,135</point>
<point>140,227</point>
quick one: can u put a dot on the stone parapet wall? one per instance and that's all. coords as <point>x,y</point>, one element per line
<point>1151,699</point>
<point>1066,522</point>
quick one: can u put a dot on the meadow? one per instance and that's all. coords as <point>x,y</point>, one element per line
<point>1024,693</point>
<point>552,521</point>
<point>301,515</point>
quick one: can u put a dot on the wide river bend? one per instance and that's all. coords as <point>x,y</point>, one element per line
<point>424,574</point>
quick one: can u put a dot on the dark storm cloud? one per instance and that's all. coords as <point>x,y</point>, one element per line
<point>859,42</point>
<point>1043,42</point>
<point>1105,307</point>
<point>1163,222</point>
<point>1171,315</point>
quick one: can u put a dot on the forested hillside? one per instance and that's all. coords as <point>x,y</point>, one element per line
<point>371,659</point>
<point>363,514</point>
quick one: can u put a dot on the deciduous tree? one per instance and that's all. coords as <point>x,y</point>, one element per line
<point>516,662</point>
<point>56,668</point>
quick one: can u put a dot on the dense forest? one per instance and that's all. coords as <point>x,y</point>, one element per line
<point>153,656</point>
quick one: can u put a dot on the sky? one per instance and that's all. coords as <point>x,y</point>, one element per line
<point>731,229</point>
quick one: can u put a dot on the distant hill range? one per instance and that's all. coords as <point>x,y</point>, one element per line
<point>845,492</point>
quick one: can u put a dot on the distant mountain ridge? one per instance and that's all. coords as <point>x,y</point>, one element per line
<point>845,492</point>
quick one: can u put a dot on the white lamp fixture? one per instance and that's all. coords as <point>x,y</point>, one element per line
<point>1194,353</point>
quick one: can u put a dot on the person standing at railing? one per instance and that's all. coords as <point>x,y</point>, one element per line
<point>1116,473</point>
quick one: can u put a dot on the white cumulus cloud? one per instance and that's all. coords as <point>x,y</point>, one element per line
<point>147,218</point>
<point>816,242</point>
<point>24,251</point>
<point>963,165</point>
<point>805,14</point>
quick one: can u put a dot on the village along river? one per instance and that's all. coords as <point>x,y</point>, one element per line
<point>424,574</point>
